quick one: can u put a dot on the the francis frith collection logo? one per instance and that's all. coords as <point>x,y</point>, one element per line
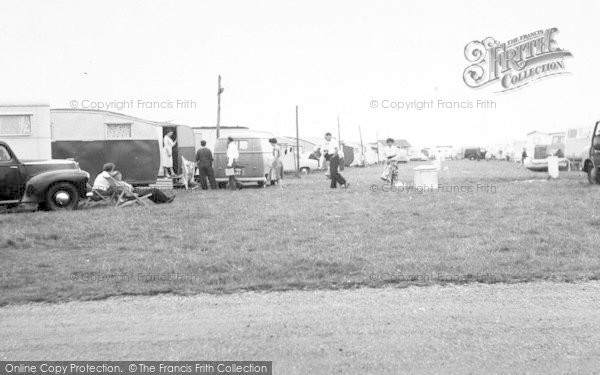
<point>515,63</point>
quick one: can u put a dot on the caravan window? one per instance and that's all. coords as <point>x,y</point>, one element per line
<point>118,131</point>
<point>242,145</point>
<point>15,124</point>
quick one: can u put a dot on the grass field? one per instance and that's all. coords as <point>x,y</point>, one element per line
<point>491,222</point>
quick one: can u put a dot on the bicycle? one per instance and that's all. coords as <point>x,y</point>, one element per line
<point>392,173</point>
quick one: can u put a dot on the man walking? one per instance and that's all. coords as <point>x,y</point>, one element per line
<point>334,164</point>
<point>327,151</point>
<point>204,161</point>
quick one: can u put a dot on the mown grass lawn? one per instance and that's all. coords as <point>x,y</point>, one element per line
<point>523,227</point>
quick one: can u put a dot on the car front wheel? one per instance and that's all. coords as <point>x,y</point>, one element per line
<point>62,196</point>
<point>593,175</point>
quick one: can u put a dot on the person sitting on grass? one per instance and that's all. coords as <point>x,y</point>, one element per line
<point>110,181</point>
<point>335,176</point>
<point>103,182</point>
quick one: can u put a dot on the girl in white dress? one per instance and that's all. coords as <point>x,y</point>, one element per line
<point>168,145</point>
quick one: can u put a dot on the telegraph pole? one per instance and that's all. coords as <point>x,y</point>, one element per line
<point>377,143</point>
<point>339,136</point>
<point>362,148</point>
<point>219,92</point>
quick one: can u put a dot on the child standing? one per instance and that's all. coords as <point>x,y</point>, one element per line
<point>335,176</point>
<point>276,170</point>
<point>390,153</point>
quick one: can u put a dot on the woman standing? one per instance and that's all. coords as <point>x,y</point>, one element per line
<point>276,171</point>
<point>168,145</point>
<point>233,155</point>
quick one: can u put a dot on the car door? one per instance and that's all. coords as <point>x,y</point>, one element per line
<point>594,153</point>
<point>246,157</point>
<point>11,181</point>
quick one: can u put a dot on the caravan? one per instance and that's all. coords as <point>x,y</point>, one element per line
<point>26,128</point>
<point>94,137</point>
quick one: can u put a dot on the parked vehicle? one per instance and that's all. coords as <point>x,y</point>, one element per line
<point>416,155</point>
<point>591,164</point>
<point>541,165</point>
<point>445,153</point>
<point>306,164</point>
<point>475,153</point>
<point>255,154</point>
<point>577,145</point>
<point>50,184</point>
<point>402,156</point>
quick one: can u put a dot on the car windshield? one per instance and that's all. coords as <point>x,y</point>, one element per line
<point>4,155</point>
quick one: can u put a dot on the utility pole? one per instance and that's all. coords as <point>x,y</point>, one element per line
<point>297,145</point>
<point>377,143</point>
<point>219,92</point>
<point>339,136</point>
<point>362,148</point>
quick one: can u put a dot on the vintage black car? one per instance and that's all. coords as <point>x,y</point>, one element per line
<point>591,164</point>
<point>47,184</point>
<point>476,153</point>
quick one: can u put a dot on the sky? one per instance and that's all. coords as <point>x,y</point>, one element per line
<point>160,60</point>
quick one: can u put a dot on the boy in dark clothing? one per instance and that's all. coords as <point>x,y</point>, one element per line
<point>204,160</point>
<point>335,176</point>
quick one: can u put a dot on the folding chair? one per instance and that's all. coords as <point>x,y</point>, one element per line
<point>119,195</point>
<point>128,199</point>
<point>188,168</point>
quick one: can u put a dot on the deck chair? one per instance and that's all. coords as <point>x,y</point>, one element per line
<point>97,198</point>
<point>128,199</point>
<point>125,197</point>
<point>189,169</point>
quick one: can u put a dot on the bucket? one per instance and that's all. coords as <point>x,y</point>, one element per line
<point>553,166</point>
<point>426,177</point>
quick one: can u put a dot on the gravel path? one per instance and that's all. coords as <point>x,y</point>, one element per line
<point>523,328</point>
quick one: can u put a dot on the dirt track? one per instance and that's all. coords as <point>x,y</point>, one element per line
<point>536,327</point>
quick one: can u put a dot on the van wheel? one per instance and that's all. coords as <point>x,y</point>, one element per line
<point>305,170</point>
<point>62,196</point>
<point>593,175</point>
